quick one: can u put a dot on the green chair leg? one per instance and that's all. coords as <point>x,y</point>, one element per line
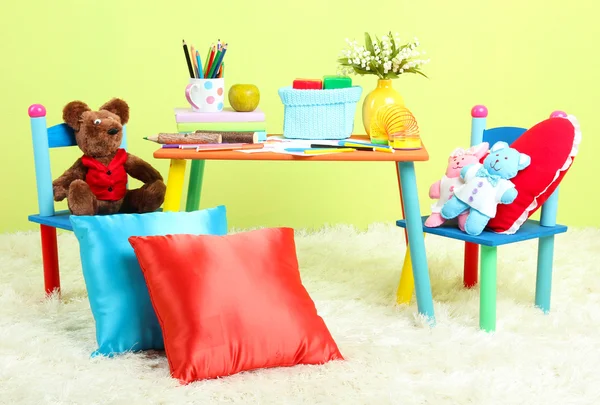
<point>487,292</point>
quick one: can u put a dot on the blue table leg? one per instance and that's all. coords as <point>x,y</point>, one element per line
<point>416,239</point>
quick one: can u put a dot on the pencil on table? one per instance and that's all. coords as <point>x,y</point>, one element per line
<point>187,59</point>
<point>207,58</point>
<point>210,61</point>
<point>194,61</point>
<point>217,64</point>
<point>214,68</point>
<point>199,64</point>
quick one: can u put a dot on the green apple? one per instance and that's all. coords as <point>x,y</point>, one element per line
<point>244,97</point>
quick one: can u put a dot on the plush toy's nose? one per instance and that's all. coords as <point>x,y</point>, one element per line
<point>113,131</point>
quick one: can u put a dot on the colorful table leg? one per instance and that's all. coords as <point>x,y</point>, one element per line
<point>416,240</point>
<point>195,185</point>
<point>174,185</point>
<point>407,281</point>
<point>50,259</point>
<point>487,292</point>
<point>406,285</point>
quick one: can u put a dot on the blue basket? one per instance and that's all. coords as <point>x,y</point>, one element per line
<point>319,114</point>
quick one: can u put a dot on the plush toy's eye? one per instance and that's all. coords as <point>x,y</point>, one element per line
<point>97,121</point>
<point>505,157</point>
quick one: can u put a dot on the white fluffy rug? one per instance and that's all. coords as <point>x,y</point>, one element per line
<point>391,356</point>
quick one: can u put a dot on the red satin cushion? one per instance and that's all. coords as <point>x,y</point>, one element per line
<point>232,303</point>
<point>552,146</point>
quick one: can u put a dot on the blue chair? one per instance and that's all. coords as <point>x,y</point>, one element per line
<point>44,139</point>
<point>488,242</point>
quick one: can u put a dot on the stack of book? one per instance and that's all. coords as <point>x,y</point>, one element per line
<point>227,120</point>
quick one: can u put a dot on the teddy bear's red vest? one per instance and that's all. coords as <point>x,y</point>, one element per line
<point>107,183</point>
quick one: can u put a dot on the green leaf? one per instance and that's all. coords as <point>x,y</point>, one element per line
<point>369,43</point>
<point>415,70</point>
<point>393,41</point>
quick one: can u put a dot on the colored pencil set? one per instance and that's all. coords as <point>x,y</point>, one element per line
<point>213,68</point>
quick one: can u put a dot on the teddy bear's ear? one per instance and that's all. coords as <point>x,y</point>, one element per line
<point>524,161</point>
<point>118,107</point>
<point>499,145</point>
<point>72,113</point>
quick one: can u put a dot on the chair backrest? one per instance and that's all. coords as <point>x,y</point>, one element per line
<point>479,133</point>
<point>45,138</point>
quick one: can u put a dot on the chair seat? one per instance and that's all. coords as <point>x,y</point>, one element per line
<point>59,220</point>
<point>531,229</point>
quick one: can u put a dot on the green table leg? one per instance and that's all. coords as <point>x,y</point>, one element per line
<point>195,185</point>
<point>487,292</point>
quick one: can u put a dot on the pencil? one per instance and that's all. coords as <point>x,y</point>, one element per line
<point>194,65</point>
<point>221,71</point>
<point>187,59</point>
<point>210,61</point>
<point>199,64</point>
<point>323,151</point>
<point>363,148</point>
<point>218,62</point>
<point>215,65</point>
<point>227,148</point>
<point>207,58</point>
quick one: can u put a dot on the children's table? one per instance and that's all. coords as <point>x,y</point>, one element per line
<point>403,163</point>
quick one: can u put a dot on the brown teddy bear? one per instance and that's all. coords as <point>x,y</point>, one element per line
<point>97,182</point>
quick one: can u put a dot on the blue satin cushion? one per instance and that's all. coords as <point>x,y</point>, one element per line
<point>119,300</point>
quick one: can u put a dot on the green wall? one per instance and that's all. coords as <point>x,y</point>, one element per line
<point>522,59</point>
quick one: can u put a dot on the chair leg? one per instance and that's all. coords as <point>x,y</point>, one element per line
<point>50,259</point>
<point>543,283</point>
<point>471,264</point>
<point>487,292</point>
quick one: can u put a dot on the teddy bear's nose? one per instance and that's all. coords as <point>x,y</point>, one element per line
<point>113,131</point>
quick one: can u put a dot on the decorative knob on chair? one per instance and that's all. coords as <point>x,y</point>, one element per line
<point>36,111</point>
<point>558,113</point>
<point>479,111</point>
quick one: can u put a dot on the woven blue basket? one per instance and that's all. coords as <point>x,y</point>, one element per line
<point>319,114</point>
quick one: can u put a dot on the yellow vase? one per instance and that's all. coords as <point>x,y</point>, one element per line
<point>383,94</point>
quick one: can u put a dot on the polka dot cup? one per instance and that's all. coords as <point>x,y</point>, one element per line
<point>206,95</point>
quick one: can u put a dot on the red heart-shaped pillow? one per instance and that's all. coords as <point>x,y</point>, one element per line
<point>552,146</point>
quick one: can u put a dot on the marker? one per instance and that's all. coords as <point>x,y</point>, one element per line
<point>363,148</point>
<point>359,143</point>
<point>325,151</point>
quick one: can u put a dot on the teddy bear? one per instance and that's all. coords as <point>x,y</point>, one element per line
<point>97,182</point>
<point>485,186</point>
<point>443,189</point>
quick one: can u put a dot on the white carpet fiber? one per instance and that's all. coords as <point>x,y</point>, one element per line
<point>391,356</point>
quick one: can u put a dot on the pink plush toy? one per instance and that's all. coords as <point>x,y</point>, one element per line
<point>443,189</point>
